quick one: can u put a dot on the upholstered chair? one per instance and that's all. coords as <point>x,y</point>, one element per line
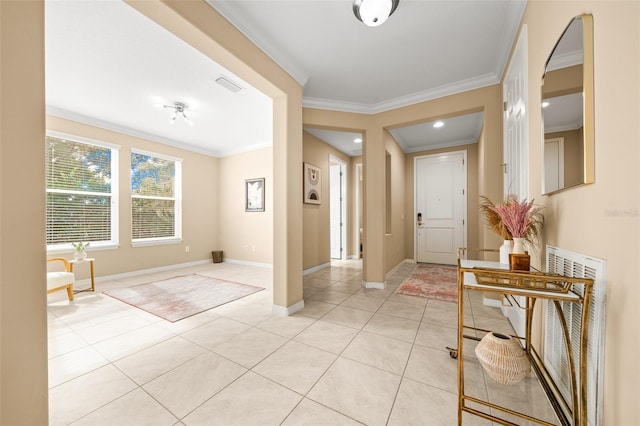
<point>60,277</point>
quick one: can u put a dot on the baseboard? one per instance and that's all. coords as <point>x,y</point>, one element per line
<point>373,284</point>
<point>286,311</point>
<point>145,271</point>
<point>494,303</point>
<point>247,263</point>
<point>315,268</point>
<point>410,261</point>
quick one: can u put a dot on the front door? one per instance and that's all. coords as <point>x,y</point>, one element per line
<point>440,185</point>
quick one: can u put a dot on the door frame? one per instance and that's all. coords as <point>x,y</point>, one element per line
<point>415,197</point>
<point>343,206</point>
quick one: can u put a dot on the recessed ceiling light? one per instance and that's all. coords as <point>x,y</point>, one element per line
<point>545,104</point>
<point>358,140</point>
<point>438,124</point>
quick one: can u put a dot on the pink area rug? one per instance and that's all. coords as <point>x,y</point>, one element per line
<point>180,297</point>
<point>432,281</point>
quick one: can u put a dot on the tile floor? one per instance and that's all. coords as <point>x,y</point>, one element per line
<point>352,356</point>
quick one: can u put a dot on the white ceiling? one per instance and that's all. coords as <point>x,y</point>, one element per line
<point>108,65</point>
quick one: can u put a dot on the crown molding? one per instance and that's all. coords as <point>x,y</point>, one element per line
<point>568,59</point>
<point>225,9</point>
<point>80,118</point>
<point>414,98</point>
<point>439,146</point>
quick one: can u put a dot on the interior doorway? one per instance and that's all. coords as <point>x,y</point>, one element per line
<point>337,207</point>
<point>440,207</point>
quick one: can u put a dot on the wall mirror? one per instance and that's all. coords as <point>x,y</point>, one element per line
<point>567,109</point>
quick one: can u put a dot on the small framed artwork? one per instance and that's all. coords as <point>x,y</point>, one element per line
<point>312,184</point>
<point>254,189</point>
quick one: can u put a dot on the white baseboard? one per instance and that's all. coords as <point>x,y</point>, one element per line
<point>286,311</point>
<point>410,261</point>
<point>247,263</point>
<point>145,271</point>
<point>372,284</point>
<point>315,268</point>
<point>494,303</point>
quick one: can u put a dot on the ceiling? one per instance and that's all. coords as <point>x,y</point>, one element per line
<point>110,66</point>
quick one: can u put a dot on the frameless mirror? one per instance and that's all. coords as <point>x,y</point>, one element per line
<point>567,109</point>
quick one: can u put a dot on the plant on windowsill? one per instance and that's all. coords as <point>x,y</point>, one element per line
<point>79,247</point>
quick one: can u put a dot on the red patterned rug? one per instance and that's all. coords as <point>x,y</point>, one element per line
<point>183,296</point>
<point>432,281</point>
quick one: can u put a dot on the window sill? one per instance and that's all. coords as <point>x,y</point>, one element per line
<point>155,242</point>
<point>92,247</point>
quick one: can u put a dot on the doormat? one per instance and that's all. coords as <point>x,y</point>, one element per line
<point>180,297</point>
<point>432,281</point>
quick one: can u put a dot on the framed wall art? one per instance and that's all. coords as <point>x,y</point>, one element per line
<point>254,190</point>
<point>312,184</point>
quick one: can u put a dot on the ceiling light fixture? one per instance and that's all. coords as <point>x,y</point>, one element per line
<point>438,124</point>
<point>357,140</point>
<point>374,12</point>
<point>178,109</point>
<point>545,104</point>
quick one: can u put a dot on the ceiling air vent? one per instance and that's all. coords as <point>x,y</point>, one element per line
<point>225,82</point>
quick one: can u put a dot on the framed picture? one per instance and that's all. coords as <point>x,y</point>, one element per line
<point>254,189</point>
<point>312,184</point>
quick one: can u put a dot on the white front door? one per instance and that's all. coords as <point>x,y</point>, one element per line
<point>440,195</point>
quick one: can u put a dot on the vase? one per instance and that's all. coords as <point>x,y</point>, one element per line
<point>518,245</point>
<point>503,358</point>
<point>80,255</point>
<point>505,249</point>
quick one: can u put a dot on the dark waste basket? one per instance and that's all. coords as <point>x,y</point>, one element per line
<point>217,256</point>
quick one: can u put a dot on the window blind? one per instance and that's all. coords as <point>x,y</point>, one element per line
<point>155,190</point>
<point>78,191</point>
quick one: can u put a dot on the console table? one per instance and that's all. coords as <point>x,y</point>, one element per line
<point>493,277</point>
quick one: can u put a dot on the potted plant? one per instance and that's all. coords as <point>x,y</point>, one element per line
<point>79,247</point>
<point>513,219</point>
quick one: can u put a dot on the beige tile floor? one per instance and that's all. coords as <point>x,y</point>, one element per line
<point>351,356</point>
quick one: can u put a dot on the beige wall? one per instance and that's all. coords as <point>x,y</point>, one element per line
<point>600,219</point>
<point>199,205</point>
<point>394,244</point>
<point>23,315</point>
<point>472,195</point>
<point>245,236</point>
<point>564,81</point>
<point>573,155</point>
<point>316,244</point>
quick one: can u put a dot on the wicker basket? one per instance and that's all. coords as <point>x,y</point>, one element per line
<point>503,358</point>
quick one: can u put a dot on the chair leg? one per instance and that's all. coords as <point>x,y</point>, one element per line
<point>70,291</point>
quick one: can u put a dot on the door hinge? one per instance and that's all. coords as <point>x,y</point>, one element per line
<point>504,106</point>
<point>463,192</point>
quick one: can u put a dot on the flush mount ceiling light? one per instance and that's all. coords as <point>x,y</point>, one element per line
<point>374,12</point>
<point>357,140</point>
<point>438,124</point>
<point>178,110</point>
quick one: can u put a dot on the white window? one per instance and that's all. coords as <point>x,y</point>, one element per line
<point>82,192</point>
<point>156,199</point>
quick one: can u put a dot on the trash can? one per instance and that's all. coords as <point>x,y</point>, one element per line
<point>217,256</point>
